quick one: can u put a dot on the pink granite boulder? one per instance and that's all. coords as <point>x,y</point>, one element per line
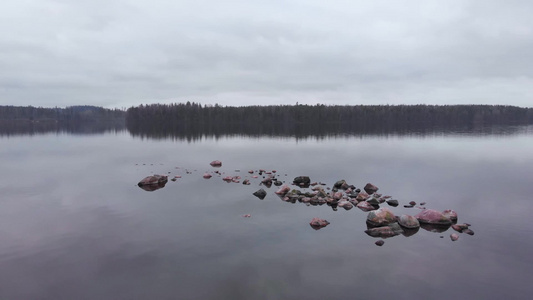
<point>433,217</point>
<point>381,217</point>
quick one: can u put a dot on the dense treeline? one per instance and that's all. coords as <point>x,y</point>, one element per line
<point>193,119</point>
<point>16,120</point>
<point>81,113</point>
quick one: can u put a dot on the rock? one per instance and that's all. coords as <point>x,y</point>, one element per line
<point>152,183</point>
<point>267,182</point>
<point>381,217</point>
<point>385,231</point>
<point>459,227</point>
<point>380,243</point>
<point>450,214</point>
<point>393,203</point>
<point>154,179</point>
<point>468,231</point>
<point>412,203</point>
<point>373,201</point>
<point>246,182</point>
<point>278,183</point>
<point>337,195</point>
<point>302,181</point>
<point>365,206</point>
<point>370,188</point>
<point>362,196</point>
<point>408,222</point>
<point>339,183</point>
<point>454,237</point>
<point>247,216</point>
<point>283,190</point>
<point>207,176</point>
<point>216,163</point>
<point>345,204</point>
<point>317,223</point>
<point>261,194</point>
<point>433,217</point>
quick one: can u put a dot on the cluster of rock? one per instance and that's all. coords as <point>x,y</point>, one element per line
<point>381,221</point>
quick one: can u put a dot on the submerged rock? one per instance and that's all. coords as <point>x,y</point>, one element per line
<point>261,194</point>
<point>381,217</point>
<point>468,231</point>
<point>434,227</point>
<point>317,223</point>
<point>370,188</point>
<point>433,217</point>
<point>408,222</point>
<point>454,237</point>
<point>385,231</point>
<point>207,176</point>
<point>407,232</point>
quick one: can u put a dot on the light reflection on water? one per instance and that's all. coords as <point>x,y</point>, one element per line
<point>74,224</point>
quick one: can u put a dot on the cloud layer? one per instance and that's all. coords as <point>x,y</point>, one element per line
<point>118,53</point>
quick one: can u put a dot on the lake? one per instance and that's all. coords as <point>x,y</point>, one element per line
<point>75,225</point>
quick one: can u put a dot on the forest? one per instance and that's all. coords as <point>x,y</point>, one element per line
<point>193,119</point>
<point>73,119</point>
<point>79,113</point>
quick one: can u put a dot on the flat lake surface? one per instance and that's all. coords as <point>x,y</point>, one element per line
<point>75,225</point>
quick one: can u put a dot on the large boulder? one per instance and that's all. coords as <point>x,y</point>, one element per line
<point>408,222</point>
<point>381,217</point>
<point>432,217</point>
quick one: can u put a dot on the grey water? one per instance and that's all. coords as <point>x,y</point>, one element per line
<point>75,225</point>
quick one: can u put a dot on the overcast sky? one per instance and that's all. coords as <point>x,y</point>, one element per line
<point>119,53</point>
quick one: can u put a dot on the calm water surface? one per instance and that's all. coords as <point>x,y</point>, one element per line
<point>74,224</point>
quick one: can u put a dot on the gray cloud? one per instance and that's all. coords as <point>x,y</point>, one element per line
<point>122,53</point>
